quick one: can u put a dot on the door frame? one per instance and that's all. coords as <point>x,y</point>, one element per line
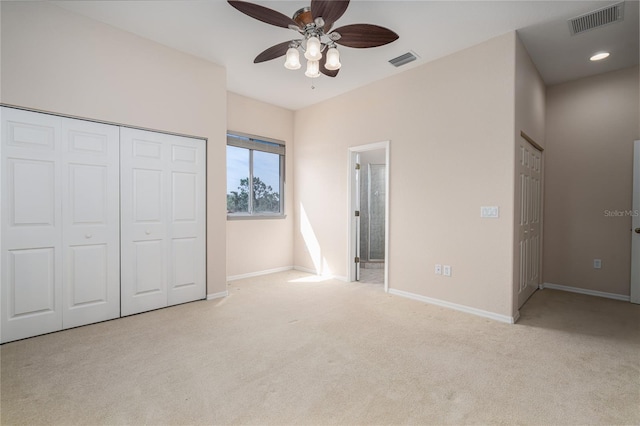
<point>634,287</point>
<point>351,202</point>
<point>517,254</point>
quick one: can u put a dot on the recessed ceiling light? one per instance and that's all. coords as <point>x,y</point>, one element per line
<point>599,56</point>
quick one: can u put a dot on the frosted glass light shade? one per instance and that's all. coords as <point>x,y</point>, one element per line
<point>599,56</point>
<point>313,52</point>
<point>333,59</point>
<point>313,69</point>
<point>293,59</point>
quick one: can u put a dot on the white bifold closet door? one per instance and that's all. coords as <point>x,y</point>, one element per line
<point>163,220</point>
<point>60,223</point>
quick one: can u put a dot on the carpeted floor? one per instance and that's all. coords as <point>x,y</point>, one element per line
<point>289,349</point>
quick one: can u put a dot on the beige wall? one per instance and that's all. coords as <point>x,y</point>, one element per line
<point>591,126</point>
<point>530,101</point>
<point>57,61</point>
<point>451,127</point>
<point>261,245</point>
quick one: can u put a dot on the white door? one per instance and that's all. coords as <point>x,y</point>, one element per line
<point>635,227</point>
<point>529,169</point>
<point>90,219</point>
<point>31,224</point>
<point>187,197</point>
<point>144,222</point>
<point>162,220</point>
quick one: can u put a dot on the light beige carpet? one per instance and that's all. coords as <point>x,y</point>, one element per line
<point>282,350</point>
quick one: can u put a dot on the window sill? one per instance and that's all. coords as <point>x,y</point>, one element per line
<point>256,217</point>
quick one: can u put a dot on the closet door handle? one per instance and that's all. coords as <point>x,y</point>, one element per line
<point>87,236</point>
<point>147,232</point>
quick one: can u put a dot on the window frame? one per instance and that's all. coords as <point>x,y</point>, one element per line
<point>263,144</point>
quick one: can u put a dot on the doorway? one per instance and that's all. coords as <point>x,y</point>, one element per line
<point>529,166</point>
<point>369,213</point>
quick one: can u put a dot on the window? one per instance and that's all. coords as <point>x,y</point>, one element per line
<point>259,161</point>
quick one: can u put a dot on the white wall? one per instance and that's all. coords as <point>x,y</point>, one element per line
<point>451,127</point>
<point>591,126</point>
<point>54,60</point>
<point>261,245</point>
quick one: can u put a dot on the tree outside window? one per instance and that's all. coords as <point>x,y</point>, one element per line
<point>262,163</point>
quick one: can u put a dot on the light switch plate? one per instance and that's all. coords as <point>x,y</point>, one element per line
<point>446,270</point>
<point>438,269</point>
<point>597,263</point>
<point>490,211</point>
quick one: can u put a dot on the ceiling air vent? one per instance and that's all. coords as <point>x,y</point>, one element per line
<point>403,59</point>
<point>597,18</point>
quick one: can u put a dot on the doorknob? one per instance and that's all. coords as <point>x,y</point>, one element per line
<point>88,236</point>
<point>637,230</point>
<point>147,232</point>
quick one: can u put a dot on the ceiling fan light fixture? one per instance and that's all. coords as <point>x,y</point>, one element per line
<point>313,69</point>
<point>313,51</point>
<point>293,59</point>
<point>333,59</point>
<point>315,23</point>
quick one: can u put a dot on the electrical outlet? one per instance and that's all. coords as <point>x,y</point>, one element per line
<point>597,263</point>
<point>446,270</point>
<point>438,270</point>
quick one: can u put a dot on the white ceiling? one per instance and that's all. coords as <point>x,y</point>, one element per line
<point>213,30</point>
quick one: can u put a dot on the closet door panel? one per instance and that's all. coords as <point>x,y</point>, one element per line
<point>187,227</point>
<point>31,224</point>
<point>91,214</point>
<point>144,205</point>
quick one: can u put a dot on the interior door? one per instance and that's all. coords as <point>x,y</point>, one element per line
<point>162,220</point>
<point>91,222</point>
<point>144,222</point>
<point>187,263</point>
<point>635,227</point>
<point>529,169</point>
<point>31,224</point>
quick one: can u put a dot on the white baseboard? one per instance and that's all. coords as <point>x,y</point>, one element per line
<point>219,295</point>
<point>307,270</point>
<point>258,273</point>
<point>578,290</point>
<point>462,308</point>
<point>314,272</point>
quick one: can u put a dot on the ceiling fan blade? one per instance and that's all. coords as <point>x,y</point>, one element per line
<point>364,35</point>
<point>324,70</point>
<point>329,10</point>
<point>263,14</point>
<point>273,52</point>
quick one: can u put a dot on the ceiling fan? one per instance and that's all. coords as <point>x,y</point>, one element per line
<point>314,24</point>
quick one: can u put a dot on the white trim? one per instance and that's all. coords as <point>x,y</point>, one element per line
<point>259,273</point>
<point>219,295</point>
<point>450,305</point>
<point>597,293</point>
<point>307,270</point>
<point>314,272</point>
<point>370,146</point>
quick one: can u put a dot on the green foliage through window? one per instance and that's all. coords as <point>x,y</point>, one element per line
<point>261,163</point>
